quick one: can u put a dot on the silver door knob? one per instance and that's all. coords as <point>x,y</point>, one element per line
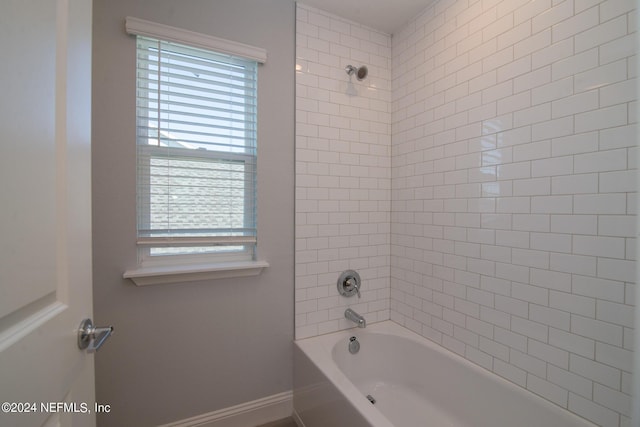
<point>92,337</point>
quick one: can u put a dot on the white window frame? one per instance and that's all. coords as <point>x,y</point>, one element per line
<point>172,268</point>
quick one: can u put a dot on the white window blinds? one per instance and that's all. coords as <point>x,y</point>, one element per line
<point>196,139</point>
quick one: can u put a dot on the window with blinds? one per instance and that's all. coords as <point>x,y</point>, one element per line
<point>196,147</point>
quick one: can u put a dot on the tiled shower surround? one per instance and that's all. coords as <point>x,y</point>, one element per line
<point>512,176</point>
<point>343,170</point>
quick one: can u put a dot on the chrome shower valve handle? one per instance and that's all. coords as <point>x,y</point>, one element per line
<point>349,283</point>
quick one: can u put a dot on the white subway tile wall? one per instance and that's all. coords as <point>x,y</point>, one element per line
<point>482,181</point>
<point>343,171</point>
<point>513,192</point>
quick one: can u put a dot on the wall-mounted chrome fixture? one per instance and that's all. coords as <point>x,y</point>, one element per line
<point>349,283</point>
<point>355,317</point>
<point>361,73</point>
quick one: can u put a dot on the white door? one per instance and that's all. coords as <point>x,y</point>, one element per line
<point>45,216</point>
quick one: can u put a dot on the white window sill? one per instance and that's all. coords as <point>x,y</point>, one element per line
<point>144,276</point>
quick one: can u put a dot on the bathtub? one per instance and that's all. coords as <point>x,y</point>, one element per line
<point>414,382</point>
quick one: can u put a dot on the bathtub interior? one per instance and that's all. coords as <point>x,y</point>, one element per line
<point>403,370</point>
<point>391,379</point>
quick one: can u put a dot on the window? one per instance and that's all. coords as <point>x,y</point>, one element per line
<point>196,147</point>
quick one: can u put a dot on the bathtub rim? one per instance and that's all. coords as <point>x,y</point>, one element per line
<point>319,350</point>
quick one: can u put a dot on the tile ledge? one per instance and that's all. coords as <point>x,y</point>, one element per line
<point>158,275</point>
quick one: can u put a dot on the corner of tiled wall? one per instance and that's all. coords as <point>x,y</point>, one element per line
<point>514,187</point>
<point>343,170</point>
<point>501,221</point>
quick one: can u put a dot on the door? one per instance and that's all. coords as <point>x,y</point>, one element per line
<point>45,216</point>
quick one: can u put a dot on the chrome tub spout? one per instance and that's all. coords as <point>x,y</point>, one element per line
<point>355,317</point>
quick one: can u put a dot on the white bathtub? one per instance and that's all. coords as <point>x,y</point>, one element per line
<point>415,384</point>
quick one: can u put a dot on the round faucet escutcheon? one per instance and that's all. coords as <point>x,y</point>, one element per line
<point>349,283</point>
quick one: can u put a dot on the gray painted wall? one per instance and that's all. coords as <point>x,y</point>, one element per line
<point>187,349</point>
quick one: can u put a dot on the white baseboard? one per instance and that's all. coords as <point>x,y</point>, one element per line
<point>248,414</point>
<point>297,419</point>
